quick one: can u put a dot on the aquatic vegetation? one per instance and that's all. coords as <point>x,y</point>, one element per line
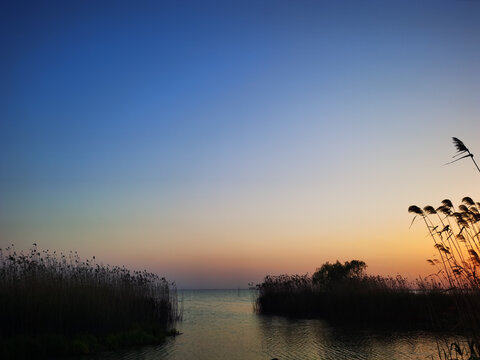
<point>455,232</point>
<point>462,150</point>
<point>76,306</point>
<point>340,296</point>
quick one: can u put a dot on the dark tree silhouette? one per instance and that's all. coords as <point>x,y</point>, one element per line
<point>330,275</point>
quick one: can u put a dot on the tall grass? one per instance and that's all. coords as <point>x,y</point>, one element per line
<point>462,150</point>
<point>360,300</point>
<point>42,292</point>
<point>455,232</point>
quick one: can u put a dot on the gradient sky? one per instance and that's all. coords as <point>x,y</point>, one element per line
<point>217,142</point>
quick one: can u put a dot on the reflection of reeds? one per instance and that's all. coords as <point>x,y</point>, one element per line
<point>43,292</point>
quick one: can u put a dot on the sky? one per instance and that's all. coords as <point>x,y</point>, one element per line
<point>217,142</point>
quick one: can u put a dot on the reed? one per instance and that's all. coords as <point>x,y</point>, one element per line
<point>58,303</point>
<point>455,232</point>
<point>356,298</point>
<point>462,150</point>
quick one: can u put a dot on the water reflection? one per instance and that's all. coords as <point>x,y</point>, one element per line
<point>221,325</point>
<point>315,339</point>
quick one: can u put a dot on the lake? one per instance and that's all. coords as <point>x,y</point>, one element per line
<point>220,324</point>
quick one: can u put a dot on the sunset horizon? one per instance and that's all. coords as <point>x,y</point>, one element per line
<point>215,144</point>
<point>242,180</point>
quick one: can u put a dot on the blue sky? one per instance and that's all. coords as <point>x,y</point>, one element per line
<point>179,126</point>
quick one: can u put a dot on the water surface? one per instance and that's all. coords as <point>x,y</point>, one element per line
<point>220,324</point>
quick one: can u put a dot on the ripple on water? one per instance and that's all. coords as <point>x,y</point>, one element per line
<point>220,324</point>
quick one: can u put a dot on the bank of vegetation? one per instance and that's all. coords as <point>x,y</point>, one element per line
<point>344,293</point>
<point>56,304</point>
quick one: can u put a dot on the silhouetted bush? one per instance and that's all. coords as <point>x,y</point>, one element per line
<point>332,275</point>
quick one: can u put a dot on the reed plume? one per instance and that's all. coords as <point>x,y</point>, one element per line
<point>462,150</point>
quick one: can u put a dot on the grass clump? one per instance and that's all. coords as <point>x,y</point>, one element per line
<point>57,304</point>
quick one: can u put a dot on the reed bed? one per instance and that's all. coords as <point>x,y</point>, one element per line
<point>455,232</point>
<point>363,300</point>
<point>57,303</point>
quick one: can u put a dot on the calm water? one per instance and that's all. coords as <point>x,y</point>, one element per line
<point>220,324</point>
